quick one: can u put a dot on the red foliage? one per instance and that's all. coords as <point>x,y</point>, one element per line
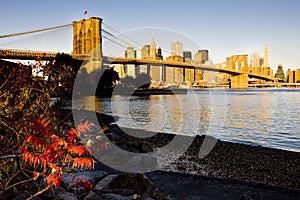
<point>84,163</point>
<point>86,184</point>
<point>43,149</point>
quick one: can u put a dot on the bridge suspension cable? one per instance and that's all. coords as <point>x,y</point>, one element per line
<point>115,37</point>
<point>114,41</point>
<point>118,32</point>
<point>34,31</point>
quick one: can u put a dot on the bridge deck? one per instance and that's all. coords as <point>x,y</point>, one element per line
<point>33,55</point>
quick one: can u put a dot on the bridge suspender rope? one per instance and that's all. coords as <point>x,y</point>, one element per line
<point>35,31</point>
<point>110,34</point>
<point>111,28</point>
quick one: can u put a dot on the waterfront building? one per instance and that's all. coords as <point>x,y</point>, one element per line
<point>177,48</point>
<point>151,52</point>
<point>156,71</point>
<point>130,69</point>
<point>293,76</point>
<point>174,74</point>
<point>200,58</point>
<point>280,74</point>
<point>120,69</point>
<point>189,73</point>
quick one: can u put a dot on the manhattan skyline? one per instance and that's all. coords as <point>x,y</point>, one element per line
<point>224,28</point>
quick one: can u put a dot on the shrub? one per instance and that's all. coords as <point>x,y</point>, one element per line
<point>32,137</point>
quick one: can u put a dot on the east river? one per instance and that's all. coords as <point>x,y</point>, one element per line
<point>267,117</point>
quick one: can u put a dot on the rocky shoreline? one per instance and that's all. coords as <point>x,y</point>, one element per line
<point>228,171</point>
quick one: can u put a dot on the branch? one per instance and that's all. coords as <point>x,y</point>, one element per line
<point>9,127</point>
<point>40,192</point>
<point>10,156</point>
<point>21,182</point>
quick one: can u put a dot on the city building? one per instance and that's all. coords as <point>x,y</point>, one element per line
<point>280,74</point>
<point>145,52</point>
<point>187,56</point>
<point>266,56</point>
<point>174,74</point>
<point>261,61</point>
<point>177,48</point>
<point>254,59</point>
<point>130,69</point>
<point>120,69</point>
<point>153,49</point>
<point>293,76</point>
<point>159,54</point>
<point>201,57</point>
<point>189,73</point>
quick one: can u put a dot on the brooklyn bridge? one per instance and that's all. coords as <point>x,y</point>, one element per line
<point>87,46</point>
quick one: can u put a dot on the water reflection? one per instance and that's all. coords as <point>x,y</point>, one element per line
<point>262,117</point>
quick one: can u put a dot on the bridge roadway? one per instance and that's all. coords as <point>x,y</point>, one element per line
<point>33,55</point>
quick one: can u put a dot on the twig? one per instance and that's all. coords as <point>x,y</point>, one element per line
<point>40,192</point>
<point>10,156</point>
<point>21,182</point>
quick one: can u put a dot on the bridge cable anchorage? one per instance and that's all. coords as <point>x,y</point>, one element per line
<point>34,31</point>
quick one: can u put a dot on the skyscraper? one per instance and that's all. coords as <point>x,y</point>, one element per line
<point>255,60</point>
<point>145,52</point>
<point>130,69</point>
<point>266,56</point>
<point>177,48</point>
<point>153,49</point>
<point>159,54</point>
<point>280,74</point>
<point>201,56</point>
<point>187,55</point>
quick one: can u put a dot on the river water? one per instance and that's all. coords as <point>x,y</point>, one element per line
<point>266,117</point>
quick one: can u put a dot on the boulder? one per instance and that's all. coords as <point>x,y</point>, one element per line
<point>70,181</point>
<point>93,196</point>
<point>128,185</point>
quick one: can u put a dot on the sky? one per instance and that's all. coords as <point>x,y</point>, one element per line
<point>224,27</point>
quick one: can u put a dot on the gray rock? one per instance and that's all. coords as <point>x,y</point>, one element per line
<point>245,197</point>
<point>116,197</point>
<point>138,186</point>
<point>120,191</point>
<point>143,162</point>
<point>70,181</point>
<point>23,197</point>
<point>64,195</point>
<point>104,184</point>
<point>93,196</point>
<point>146,148</point>
<point>139,183</point>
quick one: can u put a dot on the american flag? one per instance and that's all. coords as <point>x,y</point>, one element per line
<point>85,12</point>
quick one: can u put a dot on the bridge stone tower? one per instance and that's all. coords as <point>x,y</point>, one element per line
<point>239,63</point>
<point>87,40</point>
<point>87,37</point>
